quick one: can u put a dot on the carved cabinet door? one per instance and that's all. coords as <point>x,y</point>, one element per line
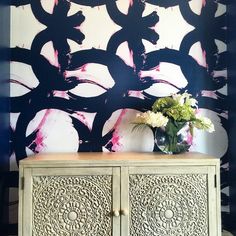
<point>172,201</point>
<point>71,202</point>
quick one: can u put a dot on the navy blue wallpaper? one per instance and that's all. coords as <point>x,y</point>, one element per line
<point>134,29</point>
<point>231,47</point>
<point>81,70</point>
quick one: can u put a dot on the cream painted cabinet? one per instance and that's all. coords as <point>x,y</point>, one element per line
<point>125,194</point>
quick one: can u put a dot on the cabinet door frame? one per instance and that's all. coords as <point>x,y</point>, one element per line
<point>25,194</point>
<point>124,200</point>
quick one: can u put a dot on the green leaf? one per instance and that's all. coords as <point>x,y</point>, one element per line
<point>173,127</point>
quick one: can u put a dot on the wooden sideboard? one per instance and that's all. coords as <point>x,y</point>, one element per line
<point>119,194</point>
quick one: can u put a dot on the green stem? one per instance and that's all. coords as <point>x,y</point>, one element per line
<point>172,143</point>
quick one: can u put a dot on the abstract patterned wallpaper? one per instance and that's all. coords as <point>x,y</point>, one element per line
<point>81,70</point>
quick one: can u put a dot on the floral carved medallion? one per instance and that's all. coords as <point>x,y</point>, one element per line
<point>71,205</point>
<point>168,205</point>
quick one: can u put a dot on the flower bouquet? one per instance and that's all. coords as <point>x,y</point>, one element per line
<point>174,119</point>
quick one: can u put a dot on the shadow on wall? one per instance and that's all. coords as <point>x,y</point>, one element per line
<point>4,83</point>
<point>4,119</point>
<point>231,46</point>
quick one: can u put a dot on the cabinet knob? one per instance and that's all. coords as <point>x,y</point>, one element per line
<point>116,213</point>
<point>124,212</point>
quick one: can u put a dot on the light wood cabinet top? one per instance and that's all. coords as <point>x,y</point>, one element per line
<point>120,158</point>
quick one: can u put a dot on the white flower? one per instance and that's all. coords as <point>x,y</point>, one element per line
<point>185,98</point>
<point>179,98</point>
<point>192,102</point>
<point>204,123</point>
<point>152,119</point>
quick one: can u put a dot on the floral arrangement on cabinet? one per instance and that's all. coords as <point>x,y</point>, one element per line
<point>174,119</point>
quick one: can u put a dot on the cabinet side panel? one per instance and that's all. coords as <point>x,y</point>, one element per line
<point>20,206</point>
<point>27,203</point>
<point>212,201</point>
<point>218,200</point>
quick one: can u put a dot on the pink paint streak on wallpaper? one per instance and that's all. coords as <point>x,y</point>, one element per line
<point>93,79</point>
<point>54,132</point>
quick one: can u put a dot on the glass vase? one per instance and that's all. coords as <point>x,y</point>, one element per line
<point>178,142</point>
